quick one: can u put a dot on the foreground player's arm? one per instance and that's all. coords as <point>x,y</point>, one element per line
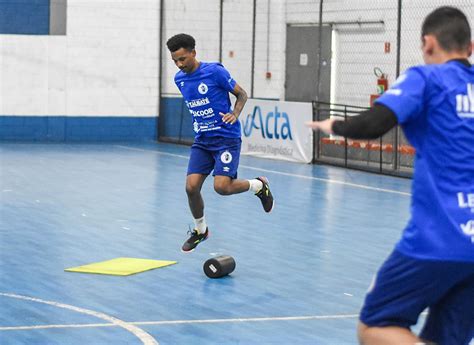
<point>369,124</point>
<point>401,104</point>
<point>238,106</point>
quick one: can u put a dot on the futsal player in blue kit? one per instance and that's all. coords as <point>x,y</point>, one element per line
<point>205,88</point>
<point>432,266</point>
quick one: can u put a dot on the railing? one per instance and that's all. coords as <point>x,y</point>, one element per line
<point>390,154</point>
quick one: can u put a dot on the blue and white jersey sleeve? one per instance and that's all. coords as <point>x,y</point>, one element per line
<point>223,78</point>
<point>406,97</point>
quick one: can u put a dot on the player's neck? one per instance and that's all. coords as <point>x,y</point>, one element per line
<point>195,67</point>
<point>448,56</point>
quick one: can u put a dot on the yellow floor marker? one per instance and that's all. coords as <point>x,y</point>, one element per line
<point>121,266</point>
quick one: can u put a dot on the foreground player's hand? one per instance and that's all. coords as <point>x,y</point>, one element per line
<point>324,126</point>
<point>228,118</point>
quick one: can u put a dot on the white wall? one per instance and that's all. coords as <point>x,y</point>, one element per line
<point>271,38</point>
<point>201,20</point>
<point>358,48</point>
<point>105,65</point>
<point>237,37</point>
<point>197,18</point>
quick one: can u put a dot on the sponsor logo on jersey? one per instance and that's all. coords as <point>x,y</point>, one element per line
<point>466,200</point>
<point>468,229</point>
<point>196,126</point>
<point>465,103</point>
<point>197,102</point>
<point>209,112</point>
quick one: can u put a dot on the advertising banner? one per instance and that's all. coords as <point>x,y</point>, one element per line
<point>275,129</point>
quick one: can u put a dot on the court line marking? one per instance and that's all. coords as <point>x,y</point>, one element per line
<point>355,185</point>
<point>178,322</point>
<point>145,338</point>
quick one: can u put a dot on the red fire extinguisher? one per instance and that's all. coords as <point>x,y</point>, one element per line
<point>382,84</point>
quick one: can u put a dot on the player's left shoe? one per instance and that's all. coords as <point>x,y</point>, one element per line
<point>265,195</point>
<point>194,240</point>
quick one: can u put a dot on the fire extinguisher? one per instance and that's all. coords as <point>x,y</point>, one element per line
<point>382,84</point>
<point>382,81</point>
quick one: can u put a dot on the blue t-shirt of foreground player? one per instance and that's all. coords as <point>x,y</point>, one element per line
<point>435,106</point>
<point>206,93</point>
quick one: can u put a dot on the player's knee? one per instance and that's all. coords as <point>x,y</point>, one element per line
<point>222,188</point>
<point>192,189</point>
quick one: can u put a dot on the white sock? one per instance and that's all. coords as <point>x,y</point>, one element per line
<point>200,224</point>
<point>255,185</point>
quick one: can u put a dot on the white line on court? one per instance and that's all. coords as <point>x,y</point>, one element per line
<point>146,338</point>
<point>282,173</point>
<point>179,322</point>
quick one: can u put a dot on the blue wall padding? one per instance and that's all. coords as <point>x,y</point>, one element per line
<point>27,17</point>
<point>175,120</point>
<point>78,129</point>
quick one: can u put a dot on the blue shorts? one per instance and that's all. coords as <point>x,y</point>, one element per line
<point>219,154</point>
<point>405,286</point>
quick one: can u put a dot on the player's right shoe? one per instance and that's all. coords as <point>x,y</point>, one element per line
<point>265,195</point>
<point>194,240</point>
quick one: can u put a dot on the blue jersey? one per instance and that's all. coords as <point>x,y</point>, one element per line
<point>434,105</point>
<point>206,93</point>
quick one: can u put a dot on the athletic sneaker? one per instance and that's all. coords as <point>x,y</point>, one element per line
<point>265,195</point>
<point>194,240</point>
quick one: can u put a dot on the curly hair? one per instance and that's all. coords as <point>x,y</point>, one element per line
<point>181,41</point>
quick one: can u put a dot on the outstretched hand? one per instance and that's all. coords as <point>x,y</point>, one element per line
<point>228,118</point>
<point>324,126</point>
